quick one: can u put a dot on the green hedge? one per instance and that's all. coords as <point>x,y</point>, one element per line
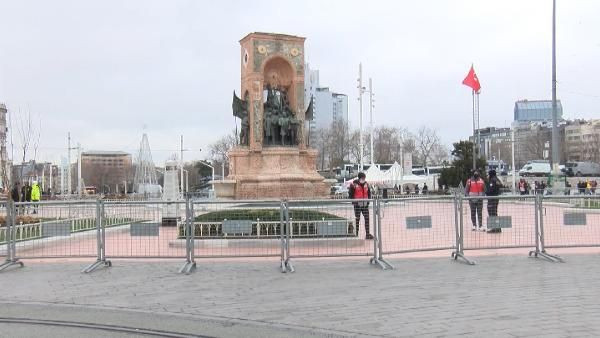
<point>265,215</point>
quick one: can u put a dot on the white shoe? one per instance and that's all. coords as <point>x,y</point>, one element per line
<point>473,229</point>
<point>482,229</point>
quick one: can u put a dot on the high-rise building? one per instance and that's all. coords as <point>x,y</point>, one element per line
<point>328,106</point>
<point>536,110</point>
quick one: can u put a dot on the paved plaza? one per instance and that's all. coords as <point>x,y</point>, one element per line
<point>501,296</point>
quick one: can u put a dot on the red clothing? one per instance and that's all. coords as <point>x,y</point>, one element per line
<point>360,191</point>
<point>475,187</point>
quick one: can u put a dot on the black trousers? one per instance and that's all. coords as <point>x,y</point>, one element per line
<point>492,207</point>
<point>364,210</point>
<point>476,212</point>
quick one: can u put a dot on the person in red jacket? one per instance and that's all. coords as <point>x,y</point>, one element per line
<point>475,187</point>
<point>359,189</point>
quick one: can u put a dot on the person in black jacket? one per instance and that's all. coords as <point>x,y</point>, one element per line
<point>493,189</point>
<point>360,190</point>
<point>15,193</point>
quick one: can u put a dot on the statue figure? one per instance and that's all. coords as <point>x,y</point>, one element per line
<point>294,124</point>
<point>284,122</point>
<point>267,126</point>
<point>245,126</point>
<point>240,110</point>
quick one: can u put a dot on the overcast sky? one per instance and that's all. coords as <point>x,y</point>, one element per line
<point>105,69</point>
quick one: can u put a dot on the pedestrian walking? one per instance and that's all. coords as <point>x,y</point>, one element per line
<point>360,190</point>
<point>25,197</point>
<point>425,189</point>
<point>475,188</point>
<point>15,193</point>
<point>36,195</point>
<point>493,189</point>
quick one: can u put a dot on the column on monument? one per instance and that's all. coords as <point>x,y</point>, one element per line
<point>256,115</point>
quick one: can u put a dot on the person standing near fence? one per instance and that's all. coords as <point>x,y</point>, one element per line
<point>25,197</point>
<point>475,187</point>
<point>360,190</point>
<point>493,189</point>
<point>36,195</point>
<point>15,193</point>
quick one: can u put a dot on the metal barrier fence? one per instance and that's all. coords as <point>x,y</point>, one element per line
<point>289,230</point>
<point>328,228</point>
<point>571,222</point>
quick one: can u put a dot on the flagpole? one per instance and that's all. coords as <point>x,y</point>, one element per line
<point>474,140</point>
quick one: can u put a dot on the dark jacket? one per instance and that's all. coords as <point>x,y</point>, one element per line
<point>492,188</point>
<point>26,194</point>
<point>15,194</point>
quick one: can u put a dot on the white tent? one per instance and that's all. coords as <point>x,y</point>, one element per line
<point>391,177</point>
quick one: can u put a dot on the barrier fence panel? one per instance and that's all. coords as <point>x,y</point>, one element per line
<point>4,232</point>
<point>330,228</point>
<point>55,229</point>
<point>501,222</point>
<point>228,229</point>
<point>417,224</point>
<point>571,222</point>
<point>136,229</point>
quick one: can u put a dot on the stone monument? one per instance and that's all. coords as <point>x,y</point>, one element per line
<point>272,159</point>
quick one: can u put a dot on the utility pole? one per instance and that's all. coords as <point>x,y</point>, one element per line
<point>514,171</point>
<point>51,186</point>
<point>555,158</point>
<point>371,105</point>
<point>181,165</point>
<point>69,164</point>
<point>361,90</point>
<point>79,190</point>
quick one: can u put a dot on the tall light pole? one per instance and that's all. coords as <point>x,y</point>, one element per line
<point>555,158</point>
<point>181,165</point>
<point>371,105</point>
<point>361,90</point>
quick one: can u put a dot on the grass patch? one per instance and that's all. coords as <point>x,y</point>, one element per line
<point>265,215</point>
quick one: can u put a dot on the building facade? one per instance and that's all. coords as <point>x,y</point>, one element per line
<point>108,171</point>
<point>533,141</point>
<point>495,143</point>
<point>536,110</point>
<point>582,141</point>
<point>328,106</point>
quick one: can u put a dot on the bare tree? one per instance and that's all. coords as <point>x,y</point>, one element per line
<point>28,136</point>
<point>354,146</point>
<point>440,154</point>
<point>220,148</point>
<point>426,140</point>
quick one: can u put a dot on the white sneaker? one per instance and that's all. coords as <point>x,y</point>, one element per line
<point>473,229</point>
<point>482,229</point>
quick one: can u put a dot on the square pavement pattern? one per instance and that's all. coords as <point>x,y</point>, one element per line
<point>502,296</point>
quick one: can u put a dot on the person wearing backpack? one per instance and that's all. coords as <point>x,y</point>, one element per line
<point>475,187</point>
<point>492,189</point>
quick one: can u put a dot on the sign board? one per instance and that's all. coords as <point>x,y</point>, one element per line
<point>418,222</point>
<point>575,218</point>
<point>332,228</point>
<point>144,229</point>
<point>237,227</point>
<point>56,229</point>
<point>499,222</point>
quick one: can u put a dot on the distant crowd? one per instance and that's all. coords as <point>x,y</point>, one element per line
<point>539,187</point>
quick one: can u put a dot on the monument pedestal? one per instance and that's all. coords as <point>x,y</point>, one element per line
<point>273,172</point>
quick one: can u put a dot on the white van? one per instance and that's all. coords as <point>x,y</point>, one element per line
<point>535,168</point>
<point>582,169</point>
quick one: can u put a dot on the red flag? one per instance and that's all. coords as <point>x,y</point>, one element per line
<point>472,81</point>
